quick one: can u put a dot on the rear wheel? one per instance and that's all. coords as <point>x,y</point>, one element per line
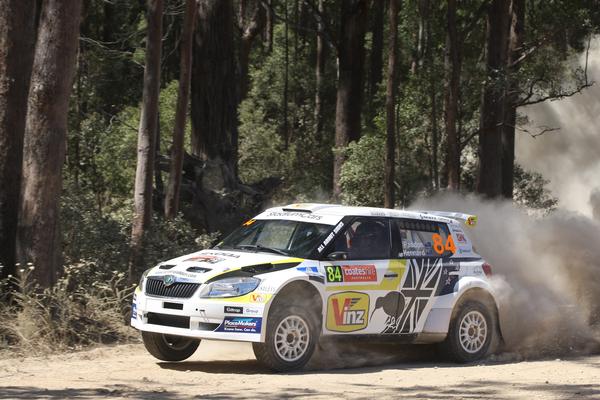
<point>169,347</point>
<point>291,337</point>
<point>471,332</point>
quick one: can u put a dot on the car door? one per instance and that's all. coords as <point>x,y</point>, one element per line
<point>357,271</point>
<point>423,248</point>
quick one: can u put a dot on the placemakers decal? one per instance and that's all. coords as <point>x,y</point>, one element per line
<point>240,325</point>
<point>330,237</point>
<point>134,308</point>
<point>347,311</point>
<point>351,273</point>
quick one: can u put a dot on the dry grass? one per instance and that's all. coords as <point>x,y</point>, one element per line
<point>84,308</point>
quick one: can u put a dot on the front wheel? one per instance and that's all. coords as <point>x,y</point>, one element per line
<point>291,336</point>
<point>169,347</point>
<point>471,332</point>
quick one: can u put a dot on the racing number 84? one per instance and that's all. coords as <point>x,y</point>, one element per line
<point>334,273</point>
<point>438,244</point>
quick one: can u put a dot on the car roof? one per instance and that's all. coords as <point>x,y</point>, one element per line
<point>337,212</point>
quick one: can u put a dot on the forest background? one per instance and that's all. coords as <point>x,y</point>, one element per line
<point>134,131</point>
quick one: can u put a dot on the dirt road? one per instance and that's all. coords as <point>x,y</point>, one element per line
<point>228,370</point>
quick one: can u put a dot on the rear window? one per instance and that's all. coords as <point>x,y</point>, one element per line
<point>415,238</point>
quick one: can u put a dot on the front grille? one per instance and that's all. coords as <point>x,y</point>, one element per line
<point>156,287</point>
<point>174,321</point>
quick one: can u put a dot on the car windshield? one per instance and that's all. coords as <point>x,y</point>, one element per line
<point>290,238</point>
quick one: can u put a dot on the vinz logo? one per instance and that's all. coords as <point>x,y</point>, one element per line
<point>347,311</point>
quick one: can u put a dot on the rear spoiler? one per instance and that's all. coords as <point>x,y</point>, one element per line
<point>468,219</point>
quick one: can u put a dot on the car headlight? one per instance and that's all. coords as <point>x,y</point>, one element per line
<point>143,277</point>
<point>230,287</point>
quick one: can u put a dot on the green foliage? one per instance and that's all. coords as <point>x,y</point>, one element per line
<point>362,174</point>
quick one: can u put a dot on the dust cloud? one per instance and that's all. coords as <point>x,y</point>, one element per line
<point>546,273</point>
<point>570,156</point>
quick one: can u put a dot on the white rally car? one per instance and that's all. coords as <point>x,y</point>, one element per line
<point>295,273</point>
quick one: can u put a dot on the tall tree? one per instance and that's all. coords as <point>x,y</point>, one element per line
<point>17,39</point>
<point>376,55</point>
<point>452,64</point>
<point>250,27</point>
<point>183,96</point>
<point>319,72</point>
<point>214,100</point>
<point>146,138</point>
<point>489,179</point>
<point>390,107</point>
<point>351,61</point>
<point>511,97</point>
<point>38,239</point>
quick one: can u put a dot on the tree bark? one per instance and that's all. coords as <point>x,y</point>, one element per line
<point>376,55</point>
<point>286,76</point>
<point>38,238</point>
<point>516,37</point>
<point>250,30</point>
<point>183,96</point>
<point>452,63</point>
<point>489,179</point>
<point>269,26</point>
<point>351,60</point>
<point>17,39</point>
<point>319,72</point>
<point>146,139</point>
<point>214,98</point>
<point>390,107</point>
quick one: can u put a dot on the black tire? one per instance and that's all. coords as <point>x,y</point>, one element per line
<point>169,347</point>
<point>270,352</point>
<point>474,344</point>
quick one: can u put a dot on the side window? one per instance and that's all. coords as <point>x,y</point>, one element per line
<point>364,239</point>
<point>416,238</point>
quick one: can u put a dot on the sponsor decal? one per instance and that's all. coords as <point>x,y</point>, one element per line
<point>233,310</point>
<point>460,237</point>
<point>294,214</point>
<point>221,253</point>
<point>251,311</point>
<point>249,222</point>
<point>405,308</point>
<point>257,298</point>
<point>347,311</point>
<point>330,237</point>
<point>351,273</point>
<point>240,325</point>
<point>206,259</point>
<point>266,289</point>
<point>134,310</point>
<point>309,270</point>
<point>171,272</point>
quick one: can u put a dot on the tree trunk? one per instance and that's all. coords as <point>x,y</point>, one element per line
<point>376,56</point>
<point>146,139</point>
<point>250,30</point>
<point>214,99</point>
<point>517,26</point>
<point>489,179</point>
<point>351,60</point>
<point>183,96</point>
<point>17,39</point>
<point>452,63</point>
<point>269,26</point>
<point>286,44</point>
<point>319,72</point>
<point>38,239</point>
<point>390,106</point>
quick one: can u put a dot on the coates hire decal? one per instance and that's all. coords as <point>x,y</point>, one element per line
<point>240,325</point>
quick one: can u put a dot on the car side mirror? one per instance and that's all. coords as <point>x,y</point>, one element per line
<point>337,256</point>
